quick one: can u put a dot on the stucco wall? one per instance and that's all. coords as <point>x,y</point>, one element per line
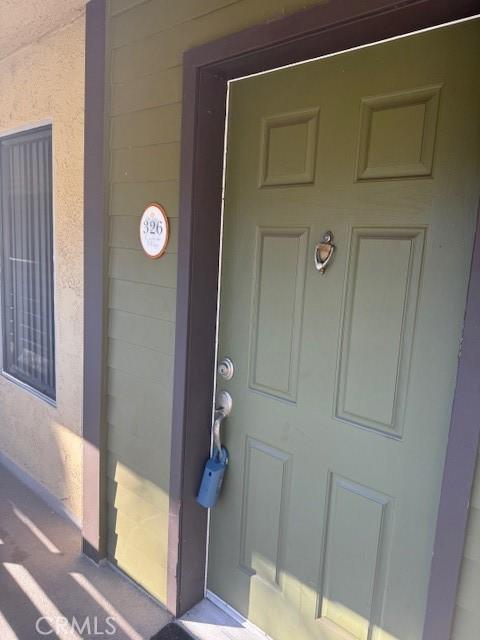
<point>45,81</point>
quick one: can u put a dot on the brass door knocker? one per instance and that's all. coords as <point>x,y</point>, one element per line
<point>324,251</point>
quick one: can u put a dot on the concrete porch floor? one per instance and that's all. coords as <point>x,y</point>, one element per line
<point>43,574</point>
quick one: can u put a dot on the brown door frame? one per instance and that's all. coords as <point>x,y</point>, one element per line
<point>94,533</point>
<point>330,27</point>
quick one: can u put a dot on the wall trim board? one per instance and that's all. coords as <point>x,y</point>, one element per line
<point>460,466</point>
<point>95,234</point>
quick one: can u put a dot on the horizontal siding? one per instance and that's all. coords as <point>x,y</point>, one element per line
<point>164,13</point>
<point>147,127</point>
<point>130,198</point>
<point>140,406</point>
<point>467,616</point>
<point>124,233</point>
<point>146,164</point>
<point>133,265</point>
<point>145,92</point>
<point>147,332</point>
<point>117,6</point>
<point>138,509</point>
<point>150,503</point>
<point>145,563</point>
<point>144,299</point>
<point>153,545</point>
<point>164,46</point>
<point>142,416</point>
<point>147,40</point>
<point>138,458</point>
<point>143,362</point>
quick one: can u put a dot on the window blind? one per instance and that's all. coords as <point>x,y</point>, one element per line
<point>27,300</point>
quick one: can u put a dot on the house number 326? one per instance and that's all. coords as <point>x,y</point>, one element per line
<point>154,230</point>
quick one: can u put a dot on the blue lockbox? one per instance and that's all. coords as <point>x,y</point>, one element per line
<point>212,478</point>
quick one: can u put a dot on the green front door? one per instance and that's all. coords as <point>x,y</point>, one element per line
<point>343,381</point>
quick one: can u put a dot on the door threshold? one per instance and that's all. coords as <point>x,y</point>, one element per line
<point>214,619</point>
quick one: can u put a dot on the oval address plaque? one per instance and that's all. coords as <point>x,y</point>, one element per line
<point>154,230</point>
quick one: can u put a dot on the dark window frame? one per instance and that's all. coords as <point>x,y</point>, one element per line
<point>38,379</point>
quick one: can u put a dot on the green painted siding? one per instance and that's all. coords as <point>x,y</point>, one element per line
<point>467,618</point>
<point>147,40</point>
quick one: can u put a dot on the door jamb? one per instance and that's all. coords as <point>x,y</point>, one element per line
<point>311,33</point>
<point>94,532</point>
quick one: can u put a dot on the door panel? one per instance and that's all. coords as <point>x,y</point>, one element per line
<point>355,551</point>
<point>343,382</point>
<point>397,134</point>
<point>383,280</point>
<point>265,495</point>
<point>277,310</point>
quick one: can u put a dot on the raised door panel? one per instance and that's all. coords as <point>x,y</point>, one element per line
<point>263,514</point>
<point>383,279</point>
<point>277,311</point>
<point>288,148</point>
<point>397,134</point>
<point>354,557</point>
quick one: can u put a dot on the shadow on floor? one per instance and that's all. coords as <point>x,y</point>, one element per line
<point>49,590</point>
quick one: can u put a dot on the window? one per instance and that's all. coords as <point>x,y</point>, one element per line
<point>26,260</point>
